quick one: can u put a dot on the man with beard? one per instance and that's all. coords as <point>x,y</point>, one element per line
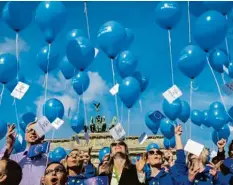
<point>55,174</point>
<point>120,170</point>
<point>33,168</point>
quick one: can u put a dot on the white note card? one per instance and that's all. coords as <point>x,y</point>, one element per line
<point>117,132</point>
<point>225,69</point>
<point>228,88</point>
<point>172,94</point>
<point>57,123</point>
<point>20,90</point>
<point>42,126</point>
<point>193,147</point>
<point>114,90</point>
<point>96,52</point>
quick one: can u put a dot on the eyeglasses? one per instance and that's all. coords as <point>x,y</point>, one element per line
<point>84,156</point>
<point>58,169</point>
<point>30,130</point>
<point>73,155</point>
<point>120,143</point>
<point>152,152</point>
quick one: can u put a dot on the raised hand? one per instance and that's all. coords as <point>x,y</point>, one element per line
<point>178,130</point>
<point>193,170</point>
<point>221,144</point>
<point>10,138</point>
<point>213,169</point>
<point>141,163</point>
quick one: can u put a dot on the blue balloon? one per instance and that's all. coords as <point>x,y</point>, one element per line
<point>129,91</point>
<point>167,128</point>
<point>230,69</point>
<point>126,63</point>
<point>167,14</point>
<point>8,68</point>
<point>223,133</point>
<point>67,69</point>
<point>77,123</point>
<point>206,121</point>
<point>130,38</point>
<point>172,110</point>
<point>12,84</point>
<point>3,128</point>
<point>217,118</point>
<point>51,18</point>
<point>81,82</point>
<point>210,30</point>
<point>80,52</point>
<point>74,34</point>
<point>143,80</point>
<point>103,152</point>
<point>58,154</point>
<point>217,105</point>
<point>53,109</point>
<point>43,62</point>
<point>18,145</point>
<point>185,111</point>
<point>169,143</point>
<point>17,15</point>
<point>223,7</point>
<point>192,61</point>
<point>153,126</point>
<point>197,117</point>
<point>217,59</point>
<point>111,38</point>
<point>196,8</point>
<point>26,119</point>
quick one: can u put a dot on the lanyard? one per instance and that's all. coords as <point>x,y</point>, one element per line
<point>116,174</point>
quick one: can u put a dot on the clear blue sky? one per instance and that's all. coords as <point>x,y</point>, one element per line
<point>150,45</point>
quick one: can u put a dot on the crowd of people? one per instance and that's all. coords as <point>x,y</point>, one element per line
<point>154,167</point>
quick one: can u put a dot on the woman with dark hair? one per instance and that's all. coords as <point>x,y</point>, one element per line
<point>120,170</point>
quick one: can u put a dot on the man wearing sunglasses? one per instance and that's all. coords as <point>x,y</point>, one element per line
<point>55,174</point>
<point>33,168</point>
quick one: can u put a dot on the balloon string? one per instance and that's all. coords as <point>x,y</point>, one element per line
<point>16,114</point>
<point>170,54</point>
<point>85,111</point>
<point>79,99</point>
<point>1,94</point>
<point>140,103</point>
<point>52,141</point>
<point>223,79</point>
<point>47,74</point>
<point>87,22</point>
<point>219,90</point>
<point>190,103</point>
<point>38,109</point>
<point>114,83</point>
<point>128,121</point>
<point>189,24</point>
<point>122,111</point>
<point>13,102</point>
<point>227,48</point>
<point>17,53</point>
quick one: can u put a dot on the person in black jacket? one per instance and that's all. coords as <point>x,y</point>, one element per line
<point>120,170</point>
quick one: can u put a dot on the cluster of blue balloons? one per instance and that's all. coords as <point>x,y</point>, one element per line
<point>57,154</point>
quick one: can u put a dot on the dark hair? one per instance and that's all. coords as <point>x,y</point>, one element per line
<point>230,148</point>
<point>56,163</point>
<point>13,172</point>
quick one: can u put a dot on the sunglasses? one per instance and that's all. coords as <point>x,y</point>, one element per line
<point>120,143</point>
<point>30,130</point>
<point>152,152</point>
<point>58,169</point>
<point>73,155</point>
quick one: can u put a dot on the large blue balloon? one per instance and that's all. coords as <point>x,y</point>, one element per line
<point>217,59</point>
<point>172,110</point>
<point>167,128</point>
<point>210,30</point>
<point>81,82</point>
<point>103,152</point>
<point>67,69</point>
<point>20,143</point>
<point>230,69</point>
<point>217,105</point>
<point>43,62</point>
<point>58,154</point>
<point>111,38</point>
<point>197,117</point>
<point>192,61</point>
<point>3,128</point>
<point>51,18</point>
<point>153,126</point>
<point>12,84</point>
<point>53,109</point>
<point>196,8</point>
<point>74,34</point>
<point>143,80</point>
<point>129,91</point>
<point>8,68</point>
<point>169,143</point>
<point>217,118</point>
<point>221,6</point>
<point>206,121</point>
<point>17,15</point>
<point>80,52</point>
<point>167,14</point>
<point>130,38</point>
<point>77,123</point>
<point>126,63</point>
<point>185,111</point>
<point>26,119</point>
<point>223,133</point>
